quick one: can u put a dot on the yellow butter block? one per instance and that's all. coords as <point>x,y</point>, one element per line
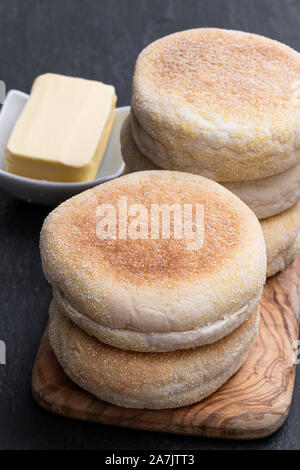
<point>63,130</point>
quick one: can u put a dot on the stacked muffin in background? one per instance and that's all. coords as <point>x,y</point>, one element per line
<point>225,105</point>
<point>146,318</point>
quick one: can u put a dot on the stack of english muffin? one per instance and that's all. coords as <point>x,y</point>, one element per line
<point>225,105</point>
<point>153,321</point>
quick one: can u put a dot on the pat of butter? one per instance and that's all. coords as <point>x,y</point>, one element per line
<point>63,130</point>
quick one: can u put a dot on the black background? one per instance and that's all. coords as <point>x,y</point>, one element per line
<point>97,39</point>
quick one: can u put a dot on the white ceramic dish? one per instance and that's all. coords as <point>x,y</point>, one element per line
<point>48,192</point>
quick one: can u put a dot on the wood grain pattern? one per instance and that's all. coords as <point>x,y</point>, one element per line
<point>253,403</point>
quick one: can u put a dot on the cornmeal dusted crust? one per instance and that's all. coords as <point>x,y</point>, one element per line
<point>155,285</point>
<point>144,380</point>
<point>282,238</point>
<point>221,103</point>
<point>266,196</point>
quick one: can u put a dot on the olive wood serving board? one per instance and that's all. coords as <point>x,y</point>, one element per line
<point>254,403</point>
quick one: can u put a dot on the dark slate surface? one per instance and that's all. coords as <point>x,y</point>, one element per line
<point>100,40</point>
